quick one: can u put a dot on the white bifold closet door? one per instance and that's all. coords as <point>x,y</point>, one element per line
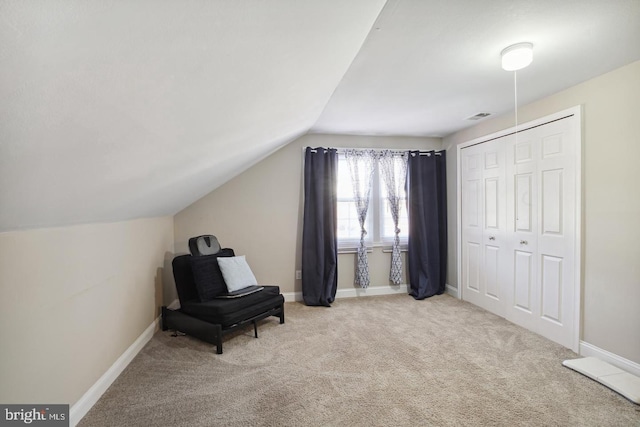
<point>518,228</point>
<point>484,255</point>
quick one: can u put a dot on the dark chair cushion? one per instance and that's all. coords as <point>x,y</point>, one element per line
<point>241,292</point>
<point>207,275</point>
<point>230,311</point>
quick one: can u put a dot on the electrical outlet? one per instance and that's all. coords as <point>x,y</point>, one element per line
<point>298,274</point>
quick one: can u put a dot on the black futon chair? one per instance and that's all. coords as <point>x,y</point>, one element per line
<point>209,317</point>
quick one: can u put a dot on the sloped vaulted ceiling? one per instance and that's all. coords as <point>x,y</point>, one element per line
<point>114,110</point>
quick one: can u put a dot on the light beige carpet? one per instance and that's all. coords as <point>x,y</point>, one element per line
<point>372,361</point>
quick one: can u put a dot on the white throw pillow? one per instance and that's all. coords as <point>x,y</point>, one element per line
<point>236,272</point>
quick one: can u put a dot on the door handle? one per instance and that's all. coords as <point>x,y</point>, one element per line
<point>492,238</point>
<point>524,242</point>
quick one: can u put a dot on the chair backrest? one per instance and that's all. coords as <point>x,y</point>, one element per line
<point>185,279</point>
<point>183,276</point>
<point>204,245</point>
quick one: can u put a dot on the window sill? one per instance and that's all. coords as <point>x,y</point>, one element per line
<point>385,248</point>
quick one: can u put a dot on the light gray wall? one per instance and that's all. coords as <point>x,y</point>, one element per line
<point>611,202</point>
<point>259,213</point>
<point>73,300</point>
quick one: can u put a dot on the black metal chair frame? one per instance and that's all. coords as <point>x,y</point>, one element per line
<point>212,332</point>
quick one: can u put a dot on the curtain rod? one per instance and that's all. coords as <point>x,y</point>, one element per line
<point>393,151</point>
<point>428,153</point>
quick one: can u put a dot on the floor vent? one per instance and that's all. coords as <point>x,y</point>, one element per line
<point>616,379</point>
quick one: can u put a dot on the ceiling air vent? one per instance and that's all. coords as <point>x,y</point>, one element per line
<point>478,116</point>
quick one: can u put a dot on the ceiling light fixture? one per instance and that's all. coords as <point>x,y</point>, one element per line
<point>517,56</point>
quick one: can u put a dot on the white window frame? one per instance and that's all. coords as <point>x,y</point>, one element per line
<point>375,217</point>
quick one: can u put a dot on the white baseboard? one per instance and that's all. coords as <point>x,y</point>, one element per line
<point>86,402</point>
<point>292,296</point>
<point>452,291</point>
<point>371,290</point>
<point>587,350</point>
<point>355,292</point>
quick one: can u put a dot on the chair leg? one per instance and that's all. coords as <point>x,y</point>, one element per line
<point>282,314</point>
<point>218,339</point>
<point>163,319</point>
<point>255,328</point>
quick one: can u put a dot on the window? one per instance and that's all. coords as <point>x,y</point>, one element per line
<point>379,223</point>
<point>348,224</point>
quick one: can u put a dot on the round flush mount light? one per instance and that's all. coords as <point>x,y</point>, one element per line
<point>517,56</point>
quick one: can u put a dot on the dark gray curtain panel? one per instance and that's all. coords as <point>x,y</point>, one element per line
<point>427,209</point>
<point>319,229</point>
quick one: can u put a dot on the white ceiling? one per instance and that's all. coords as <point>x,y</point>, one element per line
<point>428,65</point>
<point>112,110</point>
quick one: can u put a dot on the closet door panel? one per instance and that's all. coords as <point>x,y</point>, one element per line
<point>523,203</point>
<point>552,182</point>
<point>556,237</point>
<point>472,220</point>
<point>491,204</point>
<point>523,280</point>
<point>492,272</point>
<point>523,300</point>
<point>494,254</point>
<point>472,201</point>
<point>472,267</point>
<point>484,223</point>
<point>552,270</point>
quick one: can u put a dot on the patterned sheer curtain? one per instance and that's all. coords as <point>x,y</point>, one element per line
<point>361,165</point>
<point>394,171</point>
